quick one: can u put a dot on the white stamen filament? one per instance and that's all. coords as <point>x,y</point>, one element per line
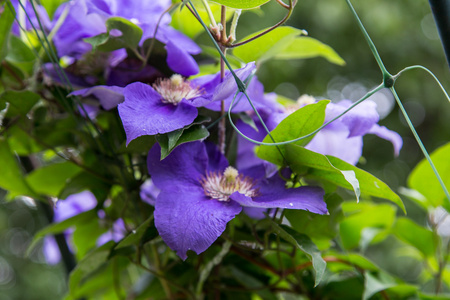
<point>175,89</point>
<point>220,186</point>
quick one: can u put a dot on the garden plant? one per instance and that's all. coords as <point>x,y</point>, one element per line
<point>159,164</point>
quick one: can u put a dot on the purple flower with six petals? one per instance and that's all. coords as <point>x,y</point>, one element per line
<point>200,193</point>
<point>172,103</point>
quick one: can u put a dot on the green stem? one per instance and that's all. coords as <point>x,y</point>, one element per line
<point>369,42</point>
<point>152,42</point>
<point>234,22</point>
<point>429,72</point>
<point>284,20</point>
<point>209,12</point>
<point>163,281</point>
<point>419,142</point>
<point>370,93</point>
<point>57,26</point>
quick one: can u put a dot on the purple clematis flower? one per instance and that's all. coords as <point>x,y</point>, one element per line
<point>146,15</point>
<point>255,91</point>
<point>200,193</point>
<point>165,107</point>
<point>343,138</point>
<point>42,16</point>
<point>171,103</point>
<point>86,18</point>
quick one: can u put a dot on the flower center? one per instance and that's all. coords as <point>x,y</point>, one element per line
<point>175,89</point>
<point>302,101</point>
<point>220,186</point>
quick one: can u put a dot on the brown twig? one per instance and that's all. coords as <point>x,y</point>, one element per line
<point>223,38</point>
<point>290,7</point>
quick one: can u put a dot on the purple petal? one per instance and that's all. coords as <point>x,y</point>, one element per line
<point>187,220</point>
<point>273,194</point>
<point>90,111</point>
<point>184,167</point>
<point>51,250</point>
<point>53,75</point>
<point>228,86</point>
<point>256,172</point>
<point>129,71</point>
<point>359,119</point>
<point>178,38</point>
<point>389,135</point>
<point>149,192</point>
<point>216,160</point>
<point>116,233</point>
<point>336,142</point>
<point>207,84</point>
<point>255,92</point>
<point>143,112</point>
<point>109,96</point>
<point>77,26</point>
<point>255,212</point>
<point>74,205</point>
<point>246,156</point>
<point>180,61</point>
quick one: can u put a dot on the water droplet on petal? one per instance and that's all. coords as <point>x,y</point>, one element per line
<point>291,204</point>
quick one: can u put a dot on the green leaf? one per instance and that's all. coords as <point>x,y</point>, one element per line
<point>248,120</point>
<point>85,181</point>
<point>243,4</point>
<point>423,179</point>
<point>135,237</point>
<point>189,133</point>
<point>61,226</point>
<point>329,168</point>
<point>308,47</point>
<point>314,225</point>
<point>417,236</point>
<point>215,67</point>
<point>88,265</point>
<point>20,55</point>
<point>424,296</point>
<point>20,102</point>
<point>268,45</point>
<point>11,176</point>
<point>403,291</point>
<point>182,17</point>
<point>104,281</point>
<point>129,36</point>
<point>363,216</point>
<point>251,282</point>
<point>373,285</point>
<point>141,144</point>
<point>50,180</point>
<point>171,141</point>
<point>51,6</point>
<point>304,244</point>
<point>85,236</point>
<point>6,21</point>
<point>358,260</point>
<point>300,123</point>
